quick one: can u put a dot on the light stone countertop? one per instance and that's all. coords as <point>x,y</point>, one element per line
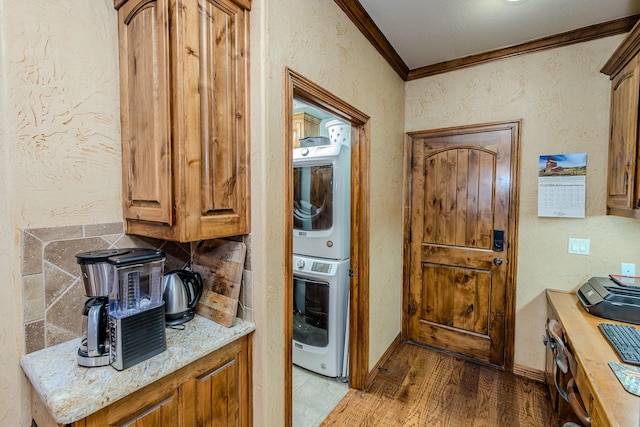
<point>72,392</point>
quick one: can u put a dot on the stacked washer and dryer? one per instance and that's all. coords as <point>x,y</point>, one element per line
<point>321,231</point>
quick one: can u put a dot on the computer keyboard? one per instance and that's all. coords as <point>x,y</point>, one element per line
<point>624,339</point>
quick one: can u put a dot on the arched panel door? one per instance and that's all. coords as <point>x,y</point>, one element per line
<point>460,234</point>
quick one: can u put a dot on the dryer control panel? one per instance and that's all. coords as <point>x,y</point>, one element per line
<point>307,265</point>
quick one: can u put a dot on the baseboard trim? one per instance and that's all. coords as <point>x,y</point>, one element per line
<point>383,359</point>
<point>527,372</point>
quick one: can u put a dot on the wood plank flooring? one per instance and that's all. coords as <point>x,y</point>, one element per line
<point>422,387</point>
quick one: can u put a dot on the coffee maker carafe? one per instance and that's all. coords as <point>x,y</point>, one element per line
<point>95,272</point>
<point>94,346</point>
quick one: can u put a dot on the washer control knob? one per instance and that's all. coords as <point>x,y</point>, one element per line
<point>304,151</point>
<point>300,263</point>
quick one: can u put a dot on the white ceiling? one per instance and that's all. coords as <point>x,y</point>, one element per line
<point>426,32</point>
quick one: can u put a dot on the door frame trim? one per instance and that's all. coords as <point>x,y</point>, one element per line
<point>514,208</point>
<point>300,87</point>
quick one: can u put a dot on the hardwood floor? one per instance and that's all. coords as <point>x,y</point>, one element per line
<point>422,387</point>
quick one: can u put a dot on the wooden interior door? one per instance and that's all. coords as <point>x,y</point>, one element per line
<point>462,198</point>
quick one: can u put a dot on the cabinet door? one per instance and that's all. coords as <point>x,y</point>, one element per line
<point>144,87</point>
<point>621,187</point>
<point>163,414</point>
<point>220,207</point>
<point>221,395</point>
<point>162,411</point>
<point>217,399</point>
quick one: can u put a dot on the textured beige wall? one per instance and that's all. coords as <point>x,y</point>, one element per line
<point>60,159</point>
<point>315,38</point>
<point>564,103</point>
<point>60,146</point>
<point>64,115</point>
<point>14,404</point>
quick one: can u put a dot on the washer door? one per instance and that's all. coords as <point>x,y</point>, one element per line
<point>310,312</point>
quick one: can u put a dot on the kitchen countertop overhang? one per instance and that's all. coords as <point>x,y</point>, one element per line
<point>71,392</point>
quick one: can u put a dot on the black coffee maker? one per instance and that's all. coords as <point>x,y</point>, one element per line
<point>123,320</point>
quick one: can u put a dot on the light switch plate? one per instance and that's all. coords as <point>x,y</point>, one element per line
<point>579,246</point>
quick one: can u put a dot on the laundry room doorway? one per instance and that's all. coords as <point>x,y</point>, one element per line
<point>327,152</point>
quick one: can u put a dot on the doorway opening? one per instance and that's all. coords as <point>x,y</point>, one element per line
<point>300,92</point>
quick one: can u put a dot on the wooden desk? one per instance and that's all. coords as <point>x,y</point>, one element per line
<point>607,402</point>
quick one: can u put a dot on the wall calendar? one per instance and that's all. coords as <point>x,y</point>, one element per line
<point>562,185</point>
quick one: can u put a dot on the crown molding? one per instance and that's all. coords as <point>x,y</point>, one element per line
<point>629,47</point>
<point>580,35</point>
<point>359,16</point>
<point>361,19</point>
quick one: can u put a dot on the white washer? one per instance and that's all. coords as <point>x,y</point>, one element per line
<point>320,296</point>
<point>321,198</point>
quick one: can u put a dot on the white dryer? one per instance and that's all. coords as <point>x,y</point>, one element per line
<point>320,297</point>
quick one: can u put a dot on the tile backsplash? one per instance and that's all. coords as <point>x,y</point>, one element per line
<point>52,290</point>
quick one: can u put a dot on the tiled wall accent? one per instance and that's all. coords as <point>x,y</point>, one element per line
<point>53,294</point>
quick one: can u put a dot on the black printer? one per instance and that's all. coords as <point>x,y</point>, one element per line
<point>611,299</point>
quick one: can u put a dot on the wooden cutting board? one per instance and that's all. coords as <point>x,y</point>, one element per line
<point>220,263</point>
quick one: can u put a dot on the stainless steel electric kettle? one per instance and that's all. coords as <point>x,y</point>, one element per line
<point>182,290</point>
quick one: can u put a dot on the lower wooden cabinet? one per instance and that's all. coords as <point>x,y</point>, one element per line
<point>164,412</point>
<point>212,391</point>
<point>217,399</point>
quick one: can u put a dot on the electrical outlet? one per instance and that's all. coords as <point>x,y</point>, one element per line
<point>627,269</point>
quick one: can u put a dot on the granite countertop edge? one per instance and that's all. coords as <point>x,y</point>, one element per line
<point>72,392</point>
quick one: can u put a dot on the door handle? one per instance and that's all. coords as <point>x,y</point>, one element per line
<point>497,261</point>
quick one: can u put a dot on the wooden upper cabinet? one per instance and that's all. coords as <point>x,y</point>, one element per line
<point>184,96</point>
<point>145,111</point>
<point>304,125</point>
<point>623,183</point>
<point>621,188</point>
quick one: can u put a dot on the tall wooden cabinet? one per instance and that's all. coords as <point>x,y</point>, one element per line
<point>623,183</point>
<point>184,113</point>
